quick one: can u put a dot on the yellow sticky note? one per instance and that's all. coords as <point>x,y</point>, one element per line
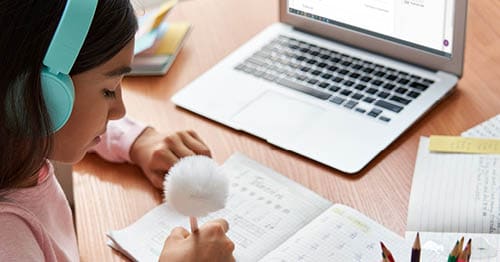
<point>173,38</point>
<point>162,12</point>
<point>457,144</point>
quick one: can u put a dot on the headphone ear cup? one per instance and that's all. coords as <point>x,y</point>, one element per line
<point>59,95</point>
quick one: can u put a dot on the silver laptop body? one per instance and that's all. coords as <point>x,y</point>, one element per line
<point>331,91</point>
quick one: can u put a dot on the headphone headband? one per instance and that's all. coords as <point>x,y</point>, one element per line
<point>70,35</point>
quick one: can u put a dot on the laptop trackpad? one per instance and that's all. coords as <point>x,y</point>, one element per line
<point>276,117</point>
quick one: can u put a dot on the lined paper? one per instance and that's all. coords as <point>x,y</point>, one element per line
<point>487,129</point>
<point>340,234</point>
<point>453,194</point>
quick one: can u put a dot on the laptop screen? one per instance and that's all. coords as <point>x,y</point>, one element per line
<point>422,24</point>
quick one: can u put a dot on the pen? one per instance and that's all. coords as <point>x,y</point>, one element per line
<point>415,251</point>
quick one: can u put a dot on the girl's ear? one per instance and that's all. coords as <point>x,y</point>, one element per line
<point>59,95</point>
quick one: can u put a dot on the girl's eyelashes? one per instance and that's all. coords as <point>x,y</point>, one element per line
<point>109,93</point>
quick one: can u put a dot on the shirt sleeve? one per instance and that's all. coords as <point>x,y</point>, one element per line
<point>119,137</point>
<point>18,241</point>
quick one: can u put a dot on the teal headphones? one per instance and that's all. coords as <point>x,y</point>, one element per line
<point>57,86</point>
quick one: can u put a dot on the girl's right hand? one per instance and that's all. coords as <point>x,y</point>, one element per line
<point>209,243</point>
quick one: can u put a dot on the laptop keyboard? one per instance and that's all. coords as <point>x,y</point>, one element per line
<point>355,84</point>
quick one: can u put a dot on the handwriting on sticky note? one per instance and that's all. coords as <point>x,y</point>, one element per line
<point>456,144</point>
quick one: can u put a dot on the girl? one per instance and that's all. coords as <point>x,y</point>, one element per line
<point>41,120</point>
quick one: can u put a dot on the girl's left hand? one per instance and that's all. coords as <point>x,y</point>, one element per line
<point>156,153</point>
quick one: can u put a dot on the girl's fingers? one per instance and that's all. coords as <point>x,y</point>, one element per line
<point>177,146</point>
<point>194,144</point>
<point>179,232</point>
<point>163,159</point>
<point>195,135</point>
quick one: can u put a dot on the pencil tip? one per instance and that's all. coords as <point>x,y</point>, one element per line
<point>416,243</point>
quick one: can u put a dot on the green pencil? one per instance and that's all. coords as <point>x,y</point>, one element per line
<point>454,253</point>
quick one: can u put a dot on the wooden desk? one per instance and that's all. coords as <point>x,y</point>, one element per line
<point>110,196</point>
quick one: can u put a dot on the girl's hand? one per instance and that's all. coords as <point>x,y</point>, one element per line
<point>209,243</point>
<point>156,153</point>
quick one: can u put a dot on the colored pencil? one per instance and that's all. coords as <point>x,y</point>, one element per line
<point>465,255</point>
<point>453,254</point>
<point>384,258</point>
<point>386,254</point>
<point>469,253</point>
<point>460,247</point>
<point>415,251</point>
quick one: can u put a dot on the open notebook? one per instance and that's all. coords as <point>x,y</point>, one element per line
<point>271,219</point>
<point>454,195</point>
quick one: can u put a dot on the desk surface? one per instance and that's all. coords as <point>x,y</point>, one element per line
<point>110,196</point>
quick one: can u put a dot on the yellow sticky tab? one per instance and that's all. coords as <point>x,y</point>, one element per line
<point>173,38</point>
<point>162,12</point>
<point>457,144</point>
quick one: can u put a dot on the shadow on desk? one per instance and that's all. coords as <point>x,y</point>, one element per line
<point>125,175</point>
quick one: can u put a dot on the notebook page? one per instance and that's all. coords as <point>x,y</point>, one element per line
<point>341,234</point>
<point>144,239</point>
<point>454,192</point>
<point>263,209</point>
<point>487,129</point>
<point>438,246</point>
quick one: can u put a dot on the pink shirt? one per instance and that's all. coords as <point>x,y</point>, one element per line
<point>36,223</point>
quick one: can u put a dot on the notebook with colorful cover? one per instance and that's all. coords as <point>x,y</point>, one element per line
<point>157,59</point>
<point>157,41</point>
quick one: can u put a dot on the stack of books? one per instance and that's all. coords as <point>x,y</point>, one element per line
<point>157,42</point>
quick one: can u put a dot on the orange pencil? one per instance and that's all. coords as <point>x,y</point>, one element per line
<point>460,247</point>
<point>386,254</point>
<point>465,255</point>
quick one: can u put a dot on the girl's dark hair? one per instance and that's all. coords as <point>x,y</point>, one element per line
<point>27,29</point>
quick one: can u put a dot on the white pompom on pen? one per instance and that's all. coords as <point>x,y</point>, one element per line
<point>196,186</point>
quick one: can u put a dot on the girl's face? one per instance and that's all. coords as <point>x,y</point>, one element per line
<point>97,99</point>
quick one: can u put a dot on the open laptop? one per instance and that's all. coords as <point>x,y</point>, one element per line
<point>337,81</point>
